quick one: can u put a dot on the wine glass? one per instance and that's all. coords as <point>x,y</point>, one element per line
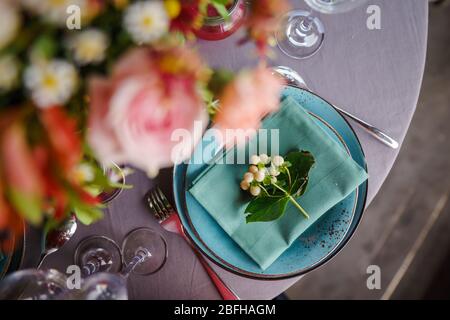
<point>98,254</point>
<point>103,286</point>
<point>144,252</point>
<point>301,34</point>
<point>34,284</point>
<point>100,259</point>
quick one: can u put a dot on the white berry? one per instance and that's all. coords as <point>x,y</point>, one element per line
<point>248,177</point>
<point>255,190</point>
<point>259,176</point>
<point>254,159</point>
<point>278,160</point>
<point>253,169</point>
<point>245,185</point>
<point>264,158</point>
<point>273,171</point>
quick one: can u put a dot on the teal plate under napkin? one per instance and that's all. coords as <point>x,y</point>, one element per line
<point>334,177</point>
<point>319,244</point>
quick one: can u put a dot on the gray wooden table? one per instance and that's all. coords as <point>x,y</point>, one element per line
<point>375,74</point>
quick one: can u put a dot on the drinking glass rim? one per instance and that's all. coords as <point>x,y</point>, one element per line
<point>219,19</point>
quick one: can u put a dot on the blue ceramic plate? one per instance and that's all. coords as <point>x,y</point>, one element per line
<point>323,240</point>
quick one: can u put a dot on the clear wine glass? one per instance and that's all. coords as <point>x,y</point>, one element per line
<point>301,34</point>
<point>98,254</point>
<point>33,284</point>
<point>103,286</point>
<point>100,260</point>
<point>144,252</point>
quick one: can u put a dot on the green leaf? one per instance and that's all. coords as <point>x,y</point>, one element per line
<point>263,209</point>
<point>301,163</point>
<point>219,80</point>
<point>222,10</point>
<point>28,206</point>
<point>88,215</point>
<point>291,183</point>
<point>45,47</point>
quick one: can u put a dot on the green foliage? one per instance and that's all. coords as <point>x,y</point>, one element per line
<point>28,206</point>
<point>87,215</point>
<point>290,184</point>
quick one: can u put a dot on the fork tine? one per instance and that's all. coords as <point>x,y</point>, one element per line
<point>164,200</point>
<point>164,211</point>
<point>154,205</point>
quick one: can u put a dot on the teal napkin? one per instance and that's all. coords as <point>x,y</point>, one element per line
<point>334,176</point>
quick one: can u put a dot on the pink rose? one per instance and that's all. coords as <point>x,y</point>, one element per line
<point>245,101</point>
<point>135,112</point>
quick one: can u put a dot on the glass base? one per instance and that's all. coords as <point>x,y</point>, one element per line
<point>32,284</point>
<point>104,286</point>
<point>145,239</point>
<point>98,254</point>
<point>300,35</point>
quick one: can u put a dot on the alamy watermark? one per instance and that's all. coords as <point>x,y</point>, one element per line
<point>374,19</point>
<point>74,277</point>
<point>373,281</point>
<point>73,21</point>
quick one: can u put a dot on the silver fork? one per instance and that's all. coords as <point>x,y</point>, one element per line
<point>170,221</point>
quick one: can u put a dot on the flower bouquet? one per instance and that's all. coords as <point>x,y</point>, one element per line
<point>85,84</point>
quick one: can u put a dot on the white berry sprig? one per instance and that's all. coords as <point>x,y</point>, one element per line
<point>274,182</point>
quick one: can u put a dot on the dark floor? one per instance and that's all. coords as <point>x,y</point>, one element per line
<point>406,230</point>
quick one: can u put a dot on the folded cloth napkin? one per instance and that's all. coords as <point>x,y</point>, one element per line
<point>334,176</point>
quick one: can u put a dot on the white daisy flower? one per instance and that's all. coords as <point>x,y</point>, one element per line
<point>51,83</point>
<point>54,11</point>
<point>10,22</point>
<point>84,173</point>
<point>146,21</point>
<point>9,72</point>
<point>89,46</point>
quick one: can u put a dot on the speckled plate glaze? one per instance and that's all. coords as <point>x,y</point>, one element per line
<point>317,245</point>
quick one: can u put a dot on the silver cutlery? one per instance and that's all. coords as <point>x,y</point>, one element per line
<point>56,238</point>
<point>170,221</point>
<point>293,78</point>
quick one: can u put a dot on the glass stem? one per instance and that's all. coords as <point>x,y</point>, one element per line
<point>306,24</point>
<point>91,267</point>
<point>142,254</point>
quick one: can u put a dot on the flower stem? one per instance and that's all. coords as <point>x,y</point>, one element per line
<point>299,207</point>
<point>294,202</point>
<point>289,177</point>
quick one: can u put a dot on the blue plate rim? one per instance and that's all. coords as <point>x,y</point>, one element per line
<point>339,246</point>
<point>227,264</point>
